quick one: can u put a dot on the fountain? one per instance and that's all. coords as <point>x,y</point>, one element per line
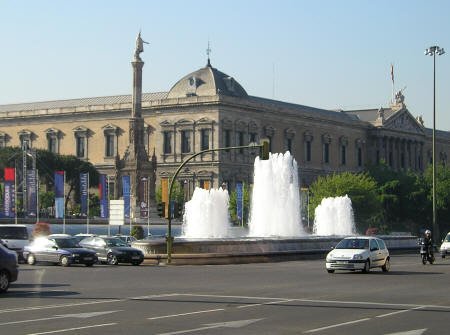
<point>275,232</point>
<point>334,216</point>
<point>206,214</point>
<point>275,207</point>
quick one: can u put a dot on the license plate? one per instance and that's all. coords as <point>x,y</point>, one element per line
<point>135,257</point>
<point>88,258</point>
<point>341,262</point>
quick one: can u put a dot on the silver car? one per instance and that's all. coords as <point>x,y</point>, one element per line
<point>359,253</point>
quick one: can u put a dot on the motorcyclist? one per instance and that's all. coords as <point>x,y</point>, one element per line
<point>428,241</point>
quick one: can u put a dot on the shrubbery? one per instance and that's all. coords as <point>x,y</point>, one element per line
<point>137,232</point>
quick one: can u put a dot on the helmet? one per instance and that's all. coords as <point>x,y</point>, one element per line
<point>427,232</point>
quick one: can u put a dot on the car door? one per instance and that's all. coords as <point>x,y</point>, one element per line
<point>51,252</point>
<point>100,247</point>
<point>376,256</point>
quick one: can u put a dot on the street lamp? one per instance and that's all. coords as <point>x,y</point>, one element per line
<point>433,51</point>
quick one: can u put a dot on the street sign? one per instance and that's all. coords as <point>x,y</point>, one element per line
<point>116,212</point>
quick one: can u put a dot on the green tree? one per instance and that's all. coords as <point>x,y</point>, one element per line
<point>361,189</point>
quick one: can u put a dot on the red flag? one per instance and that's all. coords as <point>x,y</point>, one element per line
<point>392,73</point>
<point>10,174</point>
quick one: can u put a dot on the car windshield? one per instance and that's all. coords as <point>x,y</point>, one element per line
<point>353,243</point>
<point>67,243</point>
<point>14,233</point>
<point>115,242</point>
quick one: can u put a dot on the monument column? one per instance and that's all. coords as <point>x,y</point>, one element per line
<point>136,163</point>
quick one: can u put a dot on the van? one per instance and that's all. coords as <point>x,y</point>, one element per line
<point>15,237</point>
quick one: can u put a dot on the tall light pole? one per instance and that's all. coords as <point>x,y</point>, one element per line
<point>433,51</point>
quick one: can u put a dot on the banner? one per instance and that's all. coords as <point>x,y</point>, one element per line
<point>9,199</point>
<point>31,193</point>
<point>126,195</point>
<point>239,200</point>
<point>143,195</point>
<point>103,195</point>
<point>84,193</point>
<point>59,194</point>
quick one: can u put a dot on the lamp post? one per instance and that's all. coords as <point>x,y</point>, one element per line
<point>433,51</point>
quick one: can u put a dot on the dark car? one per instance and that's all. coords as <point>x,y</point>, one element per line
<point>113,250</point>
<point>60,250</point>
<point>9,268</point>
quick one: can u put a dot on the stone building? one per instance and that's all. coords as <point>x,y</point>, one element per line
<point>209,109</point>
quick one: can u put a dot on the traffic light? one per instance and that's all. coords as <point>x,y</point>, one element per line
<point>264,149</point>
<point>161,206</point>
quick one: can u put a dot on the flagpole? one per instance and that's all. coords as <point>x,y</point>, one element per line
<point>87,209</point>
<point>64,202</point>
<point>393,87</point>
<point>37,195</point>
<point>15,192</point>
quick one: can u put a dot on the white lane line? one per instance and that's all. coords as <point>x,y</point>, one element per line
<point>265,303</point>
<point>72,329</point>
<point>399,312</point>
<point>183,314</point>
<point>336,325</point>
<point>58,306</point>
<point>32,308</point>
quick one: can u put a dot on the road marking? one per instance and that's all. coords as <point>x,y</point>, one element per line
<point>72,329</point>
<point>183,314</point>
<point>10,310</point>
<point>229,324</point>
<point>336,325</point>
<point>79,316</point>
<point>399,312</point>
<point>266,303</point>
<point>410,332</point>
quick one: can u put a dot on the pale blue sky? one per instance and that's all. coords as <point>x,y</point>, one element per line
<point>321,53</point>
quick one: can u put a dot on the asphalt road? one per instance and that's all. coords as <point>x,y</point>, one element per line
<point>271,298</point>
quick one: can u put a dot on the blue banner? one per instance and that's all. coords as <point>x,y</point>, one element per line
<point>32,193</point>
<point>103,194</point>
<point>126,190</point>
<point>9,199</point>
<point>59,194</point>
<point>84,193</point>
<point>239,200</point>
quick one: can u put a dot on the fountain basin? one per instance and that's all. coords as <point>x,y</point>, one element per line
<point>252,250</point>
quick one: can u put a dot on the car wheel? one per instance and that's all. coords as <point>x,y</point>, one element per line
<point>366,267</point>
<point>64,260</point>
<point>443,256</point>
<point>386,266</point>
<point>31,259</point>
<point>330,271</point>
<point>4,281</point>
<point>112,259</point>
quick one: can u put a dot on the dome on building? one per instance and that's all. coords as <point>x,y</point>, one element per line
<point>207,81</point>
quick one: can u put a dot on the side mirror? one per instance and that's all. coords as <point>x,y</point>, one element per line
<point>55,247</point>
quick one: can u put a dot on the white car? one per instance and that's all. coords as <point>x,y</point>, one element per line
<point>358,253</point>
<point>445,246</point>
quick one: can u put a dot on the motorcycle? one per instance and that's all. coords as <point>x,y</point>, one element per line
<point>426,252</point>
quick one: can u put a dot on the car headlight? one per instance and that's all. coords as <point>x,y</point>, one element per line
<point>329,258</point>
<point>358,256</point>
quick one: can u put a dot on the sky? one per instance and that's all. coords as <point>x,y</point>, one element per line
<point>324,53</point>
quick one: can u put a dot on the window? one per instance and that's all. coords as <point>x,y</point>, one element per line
<point>167,142</point>
<point>80,146</point>
<point>185,141</point>
<point>110,132</point>
<point>109,145</point>
<point>3,139</point>
<point>241,141</point>
<point>270,143</point>
<point>289,144</point>
<point>52,144</point>
<point>343,154</point>
<point>359,158</point>
<point>308,151</point>
<point>227,138</point>
<point>204,140</point>
<point>326,153</point>
<point>253,137</point>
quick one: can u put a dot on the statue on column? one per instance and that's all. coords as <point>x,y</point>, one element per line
<point>139,47</point>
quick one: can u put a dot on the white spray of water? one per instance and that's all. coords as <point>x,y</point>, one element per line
<point>275,207</point>
<point>334,216</point>
<point>206,214</point>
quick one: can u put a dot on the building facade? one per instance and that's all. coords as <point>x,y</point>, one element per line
<point>209,109</point>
